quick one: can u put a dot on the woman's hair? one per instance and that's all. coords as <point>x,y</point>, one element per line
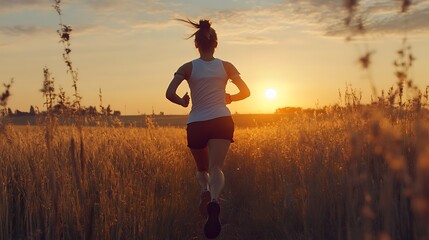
<point>205,36</point>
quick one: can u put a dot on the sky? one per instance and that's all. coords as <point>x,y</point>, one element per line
<point>130,49</point>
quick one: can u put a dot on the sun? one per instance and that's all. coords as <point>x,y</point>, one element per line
<point>270,93</point>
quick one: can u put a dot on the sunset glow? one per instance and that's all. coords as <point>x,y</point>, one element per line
<point>131,49</point>
<point>270,94</point>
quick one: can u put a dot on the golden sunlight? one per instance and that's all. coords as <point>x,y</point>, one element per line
<point>270,93</point>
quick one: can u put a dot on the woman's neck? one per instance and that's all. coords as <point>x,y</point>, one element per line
<point>206,56</point>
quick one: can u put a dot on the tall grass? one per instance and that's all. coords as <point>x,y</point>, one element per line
<point>126,189</point>
<point>331,175</point>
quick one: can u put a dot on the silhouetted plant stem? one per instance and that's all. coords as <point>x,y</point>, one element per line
<point>64,32</point>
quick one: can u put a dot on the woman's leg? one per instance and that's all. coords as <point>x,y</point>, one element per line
<point>202,161</point>
<point>217,150</point>
<point>201,158</point>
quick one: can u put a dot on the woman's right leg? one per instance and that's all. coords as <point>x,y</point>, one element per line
<point>217,151</point>
<point>218,148</point>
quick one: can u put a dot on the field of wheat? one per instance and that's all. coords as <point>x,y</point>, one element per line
<point>335,174</point>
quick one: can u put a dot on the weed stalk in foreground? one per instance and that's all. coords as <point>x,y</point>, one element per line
<point>3,104</point>
<point>65,32</point>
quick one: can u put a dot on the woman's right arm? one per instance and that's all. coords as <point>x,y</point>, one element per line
<point>236,79</point>
<point>171,94</point>
<point>244,91</point>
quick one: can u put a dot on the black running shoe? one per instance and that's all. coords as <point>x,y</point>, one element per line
<point>212,227</point>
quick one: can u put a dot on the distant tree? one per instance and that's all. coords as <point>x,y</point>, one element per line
<point>288,110</point>
<point>9,112</point>
<point>60,108</point>
<point>20,113</point>
<point>117,113</point>
<point>91,110</point>
<point>108,110</point>
<point>32,111</point>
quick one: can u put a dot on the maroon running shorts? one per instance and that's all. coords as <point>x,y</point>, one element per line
<point>199,133</point>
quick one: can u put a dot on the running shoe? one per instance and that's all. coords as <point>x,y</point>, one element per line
<point>212,227</point>
<point>204,200</point>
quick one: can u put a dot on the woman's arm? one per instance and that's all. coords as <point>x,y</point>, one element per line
<point>236,79</point>
<point>182,73</point>
<point>171,94</point>
<point>244,91</point>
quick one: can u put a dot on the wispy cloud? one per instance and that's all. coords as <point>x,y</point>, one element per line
<point>250,40</point>
<point>19,4</point>
<point>416,20</point>
<point>248,26</point>
<point>128,9</point>
<point>105,4</point>
<point>385,18</point>
<point>249,23</point>
<point>324,18</point>
<point>151,25</point>
<point>23,30</point>
<point>83,29</point>
<point>4,45</point>
<point>129,15</point>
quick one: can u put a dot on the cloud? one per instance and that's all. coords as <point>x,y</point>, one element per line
<point>104,4</point>
<point>129,15</point>
<point>325,18</point>
<point>150,25</point>
<point>83,29</point>
<point>248,26</point>
<point>20,30</point>
<point>4,45</point>
<point>250,40</point>
<point>246,23</point>
<point>19,4</point>
<point>416,20</point>
<point>381,16</point>
<point>130,7</point>
<point>95,4</point>
<point>386,21</point>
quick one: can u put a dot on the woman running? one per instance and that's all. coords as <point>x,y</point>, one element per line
<point>210,126</point>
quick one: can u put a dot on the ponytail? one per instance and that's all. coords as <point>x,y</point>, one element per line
<point>205,36</point>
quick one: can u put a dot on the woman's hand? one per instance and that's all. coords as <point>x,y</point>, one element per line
<point>228,99</point>
<point>185,100</point>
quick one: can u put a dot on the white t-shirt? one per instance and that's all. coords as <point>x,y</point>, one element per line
<point>207,83</point>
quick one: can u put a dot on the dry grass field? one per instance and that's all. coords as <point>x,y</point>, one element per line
<point>241,120</point>
<point>335,174</point>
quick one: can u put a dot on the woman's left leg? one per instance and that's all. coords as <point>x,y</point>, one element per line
<point>201,158</point>
<point>202,161</point>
